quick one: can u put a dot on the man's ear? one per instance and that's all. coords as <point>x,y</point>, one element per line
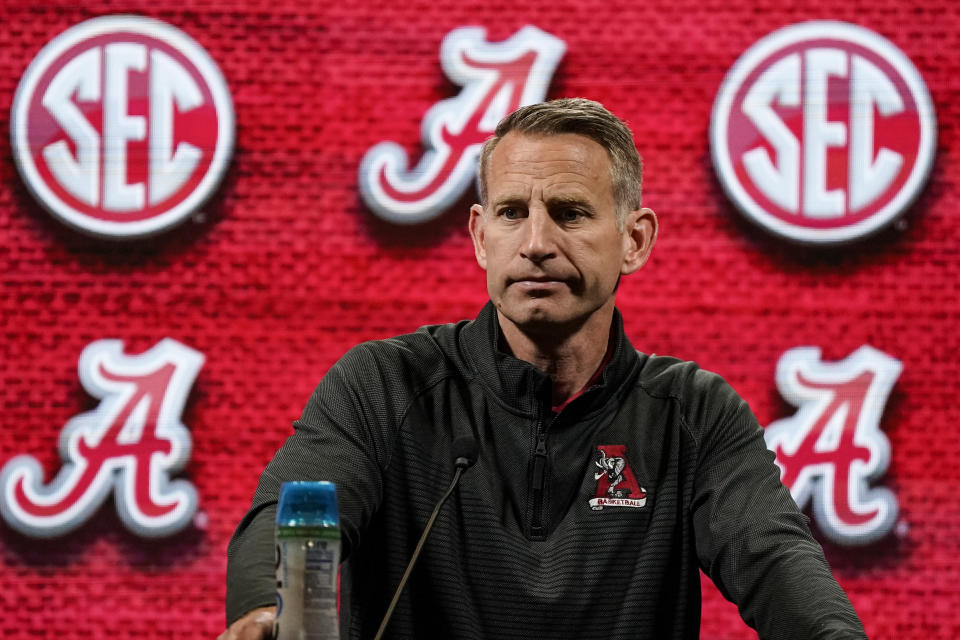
<point>477,226</point>
<point>639,235</point>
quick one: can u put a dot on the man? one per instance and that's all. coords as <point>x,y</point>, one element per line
<point>606,478</point>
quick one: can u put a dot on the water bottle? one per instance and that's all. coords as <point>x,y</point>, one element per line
<point>308,557</point>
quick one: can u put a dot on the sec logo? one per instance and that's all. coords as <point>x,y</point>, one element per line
<point>122,126</point>
<point>823,132</point>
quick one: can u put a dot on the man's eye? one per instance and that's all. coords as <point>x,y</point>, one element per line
<point>571,215</point>
<point>510,213</point>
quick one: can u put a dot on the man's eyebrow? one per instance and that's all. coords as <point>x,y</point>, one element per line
<point>569,200</point>
<point>515,200</point>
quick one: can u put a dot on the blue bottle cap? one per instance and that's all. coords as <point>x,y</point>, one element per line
<point>308,504</point>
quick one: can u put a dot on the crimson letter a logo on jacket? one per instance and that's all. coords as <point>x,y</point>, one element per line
<point>616,484</point>
<point>129,446</point>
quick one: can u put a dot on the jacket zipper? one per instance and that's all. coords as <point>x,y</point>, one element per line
<point>537,530</point>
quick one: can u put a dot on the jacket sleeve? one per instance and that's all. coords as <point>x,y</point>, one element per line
<point>751,538</point>
<point>344,436</point>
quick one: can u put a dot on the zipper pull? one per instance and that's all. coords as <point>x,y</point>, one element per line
<point>541,444</point>
<point>540,462</point>
<point>539,472</point>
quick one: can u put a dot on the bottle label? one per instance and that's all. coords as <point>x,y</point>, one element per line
<point>307,588</point>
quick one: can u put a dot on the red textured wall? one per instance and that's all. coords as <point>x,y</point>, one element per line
<point>286,268</point>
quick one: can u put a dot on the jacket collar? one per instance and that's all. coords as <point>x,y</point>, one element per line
<point>523,386</point>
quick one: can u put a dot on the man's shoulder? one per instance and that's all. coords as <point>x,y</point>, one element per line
<point>424,354</point>
<point>669,376</point>
<point>697,390</point>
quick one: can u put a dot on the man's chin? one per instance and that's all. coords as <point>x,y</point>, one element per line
<point>542,318</point>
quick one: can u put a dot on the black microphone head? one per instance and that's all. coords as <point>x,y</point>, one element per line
<point>464,451</point>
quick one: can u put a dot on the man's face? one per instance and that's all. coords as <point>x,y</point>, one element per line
<point>548,238</point>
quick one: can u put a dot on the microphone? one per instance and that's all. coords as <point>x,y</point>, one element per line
<point>465,450</point>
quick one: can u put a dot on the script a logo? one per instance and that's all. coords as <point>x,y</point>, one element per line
<point>497,78</point>
<point>129,444</point>
<point>830,450</point>
<point>122,126</point>
<point>823,132</point>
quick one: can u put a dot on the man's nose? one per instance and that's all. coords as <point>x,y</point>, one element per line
<point>539,242</point>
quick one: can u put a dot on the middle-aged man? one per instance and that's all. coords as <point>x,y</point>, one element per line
<point>606,478</point>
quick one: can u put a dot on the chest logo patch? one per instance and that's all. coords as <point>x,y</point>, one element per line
<point>616,484</point>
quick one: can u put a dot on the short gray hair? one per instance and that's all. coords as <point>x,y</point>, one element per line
<point>586,118</point>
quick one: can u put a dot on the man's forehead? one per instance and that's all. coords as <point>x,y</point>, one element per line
<point>565,160</point>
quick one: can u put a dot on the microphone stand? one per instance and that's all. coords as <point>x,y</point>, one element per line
<point>462,463</point>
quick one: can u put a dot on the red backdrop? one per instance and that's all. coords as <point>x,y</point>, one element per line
<point>285,268</point>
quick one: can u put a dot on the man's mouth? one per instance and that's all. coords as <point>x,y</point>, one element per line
<point>541,278</point>
<point>535,285</point>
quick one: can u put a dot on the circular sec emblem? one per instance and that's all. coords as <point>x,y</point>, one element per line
<point>122,126</point>
<point>823,132</point>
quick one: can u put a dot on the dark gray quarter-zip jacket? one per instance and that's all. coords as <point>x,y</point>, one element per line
<point>520,551</point>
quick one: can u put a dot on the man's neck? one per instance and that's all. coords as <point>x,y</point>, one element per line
<point>569,357</point>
